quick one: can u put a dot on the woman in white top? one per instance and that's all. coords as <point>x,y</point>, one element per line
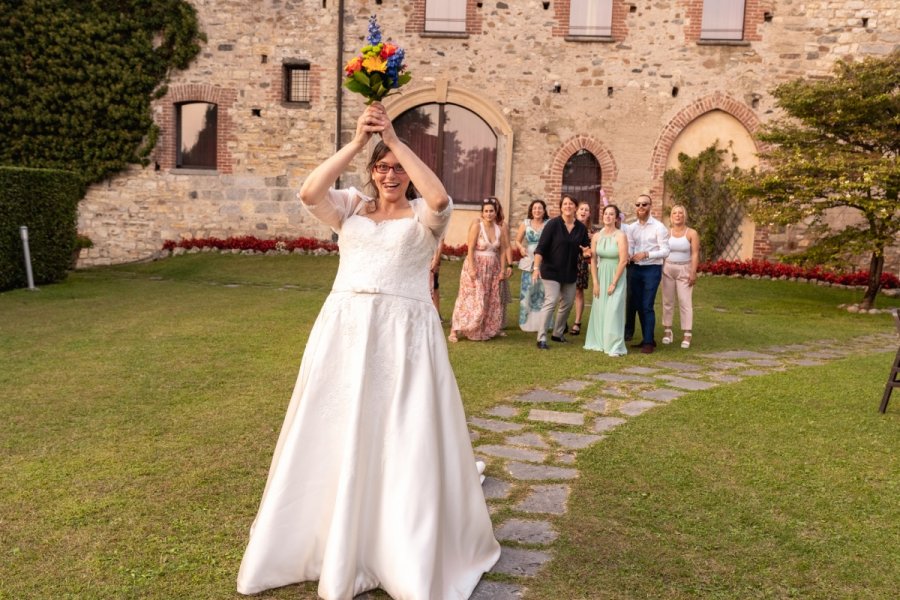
<point>679,275</point>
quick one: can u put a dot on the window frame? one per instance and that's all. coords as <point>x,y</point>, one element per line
<point>580,197</point>
<point>708,7</point>
<point>288,69</point>
<point>601,28</point>
<point>440,140</point>
<point>179,153</point>
<point>449,11</point>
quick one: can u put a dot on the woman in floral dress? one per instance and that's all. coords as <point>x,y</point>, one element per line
<point>478,313</point>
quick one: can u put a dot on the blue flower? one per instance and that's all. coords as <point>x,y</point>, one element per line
<point>374,31</point>
<point>394,64</point>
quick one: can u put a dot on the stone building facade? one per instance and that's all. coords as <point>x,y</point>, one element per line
<point>630,96</point>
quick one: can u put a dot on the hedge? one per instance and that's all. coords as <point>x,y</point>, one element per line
<point>46,201</point>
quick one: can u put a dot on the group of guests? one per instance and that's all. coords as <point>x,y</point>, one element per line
<point>625,264</point>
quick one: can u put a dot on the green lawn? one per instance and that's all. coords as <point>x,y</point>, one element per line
<point>139,407</point>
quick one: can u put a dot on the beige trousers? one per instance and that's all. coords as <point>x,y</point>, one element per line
<point>675,283</point>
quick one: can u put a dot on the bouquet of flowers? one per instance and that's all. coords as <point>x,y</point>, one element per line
<point>378,69</point>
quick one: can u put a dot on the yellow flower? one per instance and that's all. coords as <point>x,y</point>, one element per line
<point>374,63</point>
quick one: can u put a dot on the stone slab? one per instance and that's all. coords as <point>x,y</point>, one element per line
<point>504,412</point>
<point>495,489</point>
<point>520,562</point>
<point>474,435</point>
<point>555,416</point>
<point>545,499</point>
<point>497,426</point>
<point>597,406</point>
<point>683,383</point>
<point>614,391</point>
<point>619,377</point>
<point>574,441</point>
<point>727,365</point>
<point>573,385</point>
<point>753,372</point>
<point>512,452</point>
<point>633,409</point>
<point>806,362</point>
<point>529,472</point>
<point>738,354</point>
<point>496,590</point>
<point>544,396</point>
<point>528,439</point>
<point>662,395</point>
<point>678,366</point>
<point>640,370</point>
<point>764,362</point>
<point>566,458</point>
<point>607,423</point>
<point>725,378</point>
<point>526,531</point>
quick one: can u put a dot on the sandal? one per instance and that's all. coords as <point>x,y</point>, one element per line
<point>686,342</point>
<point>452,337</point>
<point>667,336</point>
<point>576,329</point>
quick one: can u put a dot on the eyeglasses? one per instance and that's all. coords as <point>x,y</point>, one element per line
<point>383,168</point>
<point>642,204</point>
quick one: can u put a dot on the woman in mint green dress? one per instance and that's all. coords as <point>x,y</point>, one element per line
<point>606,328</point>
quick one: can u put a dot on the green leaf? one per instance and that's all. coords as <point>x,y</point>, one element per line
<point>362,78</point>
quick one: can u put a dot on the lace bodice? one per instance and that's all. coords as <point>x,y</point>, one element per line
<point>389,257</point>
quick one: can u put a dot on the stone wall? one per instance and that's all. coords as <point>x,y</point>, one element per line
<point>625,99</point>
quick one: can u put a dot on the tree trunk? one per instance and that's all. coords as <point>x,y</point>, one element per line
<point>876,266</point>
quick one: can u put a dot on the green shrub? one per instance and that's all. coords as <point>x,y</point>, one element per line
<point>46,201</point>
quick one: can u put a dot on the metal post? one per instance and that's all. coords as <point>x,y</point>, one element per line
<point>23,230</point>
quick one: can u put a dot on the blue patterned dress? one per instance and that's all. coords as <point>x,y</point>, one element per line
<point>531,297</point>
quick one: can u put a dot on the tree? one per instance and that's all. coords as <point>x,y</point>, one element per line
<point>78,79</point>
<point>836,147</point>
<point>700,185</point>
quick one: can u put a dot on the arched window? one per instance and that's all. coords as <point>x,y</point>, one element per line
<point>582,179</point>
<point>456,144</point>
<point>195,124</point>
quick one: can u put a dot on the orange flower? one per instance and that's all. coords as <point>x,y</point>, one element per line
<point>374,64</point>
<point>388,50</point>
<point>354,65</point>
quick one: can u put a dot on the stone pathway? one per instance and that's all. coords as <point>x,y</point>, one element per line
<point>531,441</point>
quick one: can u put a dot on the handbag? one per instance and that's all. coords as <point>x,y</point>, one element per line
<point>526,263</point>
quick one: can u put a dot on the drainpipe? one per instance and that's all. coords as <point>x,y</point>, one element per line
<point>339,86</point>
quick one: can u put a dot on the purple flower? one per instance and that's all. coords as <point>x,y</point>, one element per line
<point>374,31</point>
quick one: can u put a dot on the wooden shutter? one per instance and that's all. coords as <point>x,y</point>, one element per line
<point>590,17</point>
<point>445,16</point>
<point>722,20</point>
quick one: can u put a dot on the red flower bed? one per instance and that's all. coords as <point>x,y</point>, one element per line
<point>249,242</point>
<point>778,270</point>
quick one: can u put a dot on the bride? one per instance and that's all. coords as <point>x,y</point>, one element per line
<point>373,482</point>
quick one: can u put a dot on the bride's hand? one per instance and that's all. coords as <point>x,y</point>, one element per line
<point>368,123</point>
<point>386,127</point>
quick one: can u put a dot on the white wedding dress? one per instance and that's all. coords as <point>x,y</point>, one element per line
<point>373,482</point>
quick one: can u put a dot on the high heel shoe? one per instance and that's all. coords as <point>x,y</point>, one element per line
<point>686,342</point>
<point>667,336</point>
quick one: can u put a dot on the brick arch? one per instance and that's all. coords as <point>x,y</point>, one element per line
<point>609,171</point>
<point>199,92</point>
<point>716,101</point>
